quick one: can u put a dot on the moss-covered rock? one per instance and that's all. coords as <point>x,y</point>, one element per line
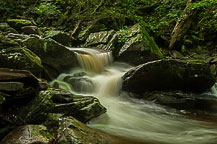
<point>68,130</point>
<point>18,23</point>
<point>31,30</point>
<point>55,57</point>
<point>99,39</point>
<point>28,134</point>
<point>19,38</point>
<point>13,56</point>
<point>60,37</point>
<point>138,46</point>
<point>83,108</point>
<point>185,75</point>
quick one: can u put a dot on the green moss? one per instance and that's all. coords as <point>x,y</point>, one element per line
<point>2,98</point>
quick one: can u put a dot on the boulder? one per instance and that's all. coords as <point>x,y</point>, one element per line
<point>18,23</point>
<point>60,37</point>
<point>19,38</point>
<point>69,130</point>
<point>99,39</point>
<point>139,47</point>
<point>18,86</point>
<point>31,30</point>
<point>83,108</point>
<point>62,102</point>
<point>169,74</point>
<point>13,56</point>
<point>55,57</point>
<point>28,134</point>
<point>189,101</point>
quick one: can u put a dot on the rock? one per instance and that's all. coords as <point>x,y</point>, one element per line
<point>55,57</point>
<point>18,23</point>
<point>11,86</point>
<point>169,74</point>
<point>13,56</point>
<point>60,101</point>
<point>28,134</point>
<point>6,42</point>
<point>79,84</point>
<point>2,99</point>
<point>69,130</point>
<point>183,101</point>
<point>83,108</point>
<point>60,37</point>
<point>19,38</point>
<point>31,30</point>
<point>139,47</point>
<point>4,26</point>
<point>99,39</point>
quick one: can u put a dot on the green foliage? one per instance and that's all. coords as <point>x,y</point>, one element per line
<point>47,8</point>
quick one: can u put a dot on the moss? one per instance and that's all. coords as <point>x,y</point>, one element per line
<point>2,98</point>
<point>153,46</point>
<point>18,23</point>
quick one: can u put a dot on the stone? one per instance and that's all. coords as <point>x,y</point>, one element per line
<point>14,56</point>
<point>69,130</point>
<point>28,134</point>
<point>60,37</point>
<point>11,86</point>
<point>139,47</point>
<point>60,102</point>
<point>56,58</point>
<point>18,23</point>
<point>169,74</point>
<point>99,38</point>
<point>19,38</point>
<point>83,108</point>
<point>182,100</point>
<point>31,30</point>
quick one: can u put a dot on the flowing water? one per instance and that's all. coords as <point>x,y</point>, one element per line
<point>142,121</point>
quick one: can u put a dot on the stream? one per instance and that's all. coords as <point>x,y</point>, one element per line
<point>141,121</point>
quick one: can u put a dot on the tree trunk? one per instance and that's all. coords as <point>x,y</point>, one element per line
<point>183,24</point>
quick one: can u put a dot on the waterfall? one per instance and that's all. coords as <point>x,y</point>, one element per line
<point>138,121</point>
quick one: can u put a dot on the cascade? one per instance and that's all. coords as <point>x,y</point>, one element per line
<point>142,121</point>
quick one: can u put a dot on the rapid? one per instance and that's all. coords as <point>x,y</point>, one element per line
<point>141,121</point>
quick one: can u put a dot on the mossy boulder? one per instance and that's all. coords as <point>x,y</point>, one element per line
<point>68,130</point>
<point>169,74</point>
<point>83,108</point>
<point>139,47</point>
<point>18,23</point>
<point>13,56</point>
<point>31,30</point>
<point>60,102</point>
<point>191,102</point>
<point>60,37</point>
<point>19,38</point>
<point>99,39</point>
<point>55,57</point>
<point>28,134</point>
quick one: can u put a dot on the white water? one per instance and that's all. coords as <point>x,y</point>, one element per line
<point>137,119</point>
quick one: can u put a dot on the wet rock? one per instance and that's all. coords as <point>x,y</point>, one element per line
<point>139,47</point>
<point>31,30</point>
<point>60,37</point>
<point>19,38</point>
<point>18,23</point>
<point>28,134</point>
<point>83,108</point>
<point>60,101</point>
<point>11,86</point>
<point>182,100</point>
<point>70,130</point>
<point>55,57</point>
<point>99,39</point>
<point>13,56</point>
<point>80,84</point>
<point>171,74</point>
